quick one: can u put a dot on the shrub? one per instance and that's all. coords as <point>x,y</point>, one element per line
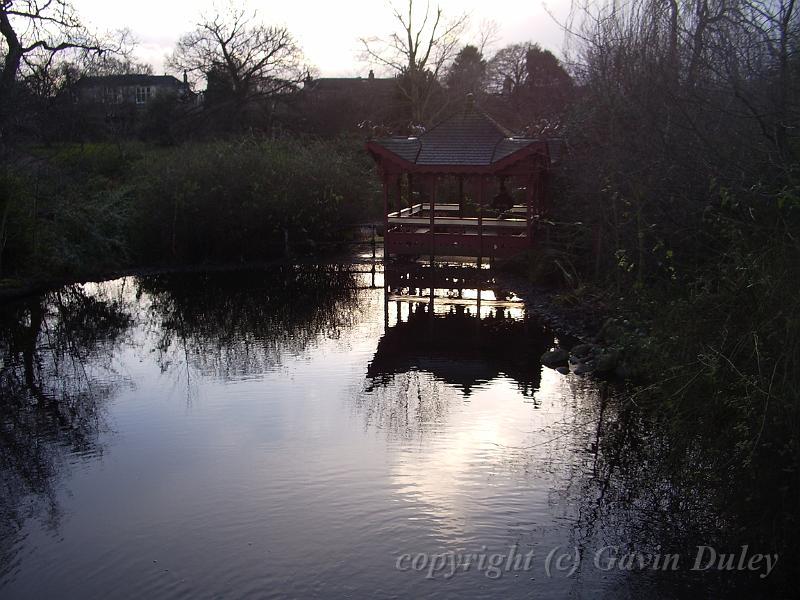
<point>236,200</point>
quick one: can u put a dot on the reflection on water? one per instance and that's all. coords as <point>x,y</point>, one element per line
<point>54,382</point>
<point>228,325</point>
<point>332,425</point>
<point>461,348</point>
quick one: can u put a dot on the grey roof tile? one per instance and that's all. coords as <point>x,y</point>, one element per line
<point>405,148</point>
<point>468,138</point>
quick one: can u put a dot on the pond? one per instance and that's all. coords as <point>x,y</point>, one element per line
<point>303,432</point>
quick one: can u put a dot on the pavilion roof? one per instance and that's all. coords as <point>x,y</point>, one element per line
<point>469,138</point>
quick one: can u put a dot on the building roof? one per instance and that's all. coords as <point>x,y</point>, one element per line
<point>124,80</point>
<point>469,138</point>
<point>350,84</point>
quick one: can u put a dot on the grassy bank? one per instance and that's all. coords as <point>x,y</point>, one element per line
<point>76,210</point>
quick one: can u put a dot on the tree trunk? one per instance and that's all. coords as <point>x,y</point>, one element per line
<point>11,63</point>
<point>4,227</point>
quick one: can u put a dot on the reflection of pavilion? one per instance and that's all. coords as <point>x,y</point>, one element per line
<point>463,337</point>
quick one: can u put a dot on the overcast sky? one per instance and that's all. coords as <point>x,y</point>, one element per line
<point>328,32</point>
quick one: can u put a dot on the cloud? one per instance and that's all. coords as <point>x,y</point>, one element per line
<point>327,31</point>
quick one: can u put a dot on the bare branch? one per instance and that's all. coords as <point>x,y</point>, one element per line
<point>417,54</point>
<point>254,58</point>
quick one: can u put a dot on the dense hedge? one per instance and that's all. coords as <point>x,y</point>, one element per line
<point>83,209</point>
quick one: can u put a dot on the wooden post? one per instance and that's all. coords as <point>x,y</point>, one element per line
<point>399,203</point>
<point>373,270</point>
<point>385,202</point>
<point>543,201</point>
<point>481,192</point>
<point>385,302</point>
<point>461,196</point>
<point>385,214</point>
<point>529,202</point>
<point>432,217</point>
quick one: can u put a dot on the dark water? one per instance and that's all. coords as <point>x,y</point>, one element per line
<point>298,433</point>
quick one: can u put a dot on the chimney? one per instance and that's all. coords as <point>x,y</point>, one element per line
<point>371,74</point>
<point>470,102</point>
<point>185,78</point>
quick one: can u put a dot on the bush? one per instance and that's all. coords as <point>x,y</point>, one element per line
<point>683,173</point>
<point>235,200</point>
<point>79,210</point>
<point>16,221</point>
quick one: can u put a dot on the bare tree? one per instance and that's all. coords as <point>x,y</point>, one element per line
<point>734,57</point>
<point>33,33</point>
<point>529,88</point>
<point>47,74</point>
<point>507,70</point>
<point>488,35</point>
<point>121,63</point>
<point>682,103</point>
<point>253,59</point>
<point>418,53</point>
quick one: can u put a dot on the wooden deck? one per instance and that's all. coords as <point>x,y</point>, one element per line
<point>415,231</point>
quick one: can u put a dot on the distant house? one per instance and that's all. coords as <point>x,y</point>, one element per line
<point>136,90</point>
<point>335,104</point>
<point>352,86</point>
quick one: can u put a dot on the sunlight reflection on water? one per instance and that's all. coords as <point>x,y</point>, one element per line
<point>286,433</point>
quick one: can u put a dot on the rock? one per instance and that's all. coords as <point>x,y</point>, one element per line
<point>622,371</point>
<point>563,370</point>
<point>611,330</point>
<point>555,358</point>
<point>583,369</point>
<point>607,361</point>
<point>582,351</point>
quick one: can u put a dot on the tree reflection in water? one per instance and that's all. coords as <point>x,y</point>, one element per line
<point>233,324</point>
<point>618,475</point>
<point>55,377</point>
<point>612,473</point>
<point>643,488</point>
<point>58,353</point>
